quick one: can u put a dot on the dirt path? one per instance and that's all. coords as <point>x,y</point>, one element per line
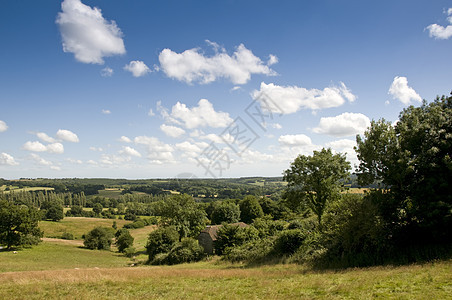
<point>65,242</point>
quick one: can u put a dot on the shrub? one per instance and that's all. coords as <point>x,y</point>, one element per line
<point>267,227</point>
<point>250,209</point>
<point>67,236</point>
<point>124,240</point>
<point>161,240</point>
<point>98,238</point>
<point>289,241</point>
<point>188,250</point>
<point>226,212</point>
<point>252,252</point>
<point>229,236</point>
<point>129,252</point>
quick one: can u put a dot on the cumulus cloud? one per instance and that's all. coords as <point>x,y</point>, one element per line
<point>440,32</point>
<point>129,151</point>
<point>3,126</point>
<point>199,116</point>
<point>125,139</point>
<point>401,91</point>
<point>87,34</point>
<point>193,66</point>
<point>106,111</point>
<point>290,99</point>
<point>7,160</point>
<point>172,131</point>
<point>106,72</point>
<point>39,160</point>
<point>96,149</point>
<point>341,144</point>
<point>45,138</point>
<point>67,135</point>
<point>137,68</point>
<point>151,113</point>
<point>345,124</point>
<point>295,140</point>
<point>157,151</point>
<point>36,146</point>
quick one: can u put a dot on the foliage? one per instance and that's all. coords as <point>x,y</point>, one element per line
<point>413,160</point>
<point>98,238</point>
<point>185,251</point>
<point>226,212</point>
<point>161,240</point>
<point>54,211</point>
<point>182,212</point>
<point>250,209</point>
<point>97,208</point>
<point>230,236</point>
<point>288,241</point>
<point>267,227</point>
<point>124,240</point>
<point>18,225</point>
<point>253,251</point>
<point>67,236</point>
<point>318,179</point>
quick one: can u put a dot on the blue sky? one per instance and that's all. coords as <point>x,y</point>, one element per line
<point>153,89</point>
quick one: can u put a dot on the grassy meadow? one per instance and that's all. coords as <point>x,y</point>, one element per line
<point>63,269</point>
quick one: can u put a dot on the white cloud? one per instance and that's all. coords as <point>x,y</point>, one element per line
<point>99,149</point>
<point>290,99</point>
<point>39,160</point>
<point>158,152</point>
<point>45,138</point>
<point>200,116</point>
<point>137,68</point>
<point>87,34</point>
<point>345,124</point>
<point>441,32</point>
<point>106,72</point>
<point>34,146</point>
<point>172,131</point>
<point>129,151</point>
<point>193,66</point>
<point>67,135</point>
<point>8,160</point>
<point>272,60</point>
<point>38,147</point>
<point>55,148</point>
<point>276,125</point>
<point>106,111</point>
<point>3,126</point>
<point>151,113</point>
<point>74,161</point>
<point>341,144</point>
<point>125,139</point>
<point>401,91</point>
<point>92,162</point>
<point>295,140</point>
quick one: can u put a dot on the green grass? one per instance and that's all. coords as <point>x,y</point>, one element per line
<point>78,226</point>
<point>55,256</point>
<point>24,189</point>
<point>110,193</point>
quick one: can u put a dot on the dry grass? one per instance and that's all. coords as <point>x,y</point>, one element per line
<point>224,281</point>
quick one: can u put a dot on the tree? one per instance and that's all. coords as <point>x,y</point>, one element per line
<point>18,225</point>
<point>226,212</point>
<point>250,209</point>
<point>182,212</point>
<point>124,240</point>
<point>318,179</point>
<point>413,160</point>
<point>161,240</point>
<point>97,208</point>
<point>55,212</point>
<point>98,238</point>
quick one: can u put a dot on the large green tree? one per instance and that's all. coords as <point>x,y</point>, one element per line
<point>318,179</point>
<point>413,161</point>
<point>18,225</point>
<point>182,212</point>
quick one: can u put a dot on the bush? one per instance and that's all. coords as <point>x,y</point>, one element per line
<point>98,238</point>
<point>161,240</point>
<point>188,250</point>
<point>250,209</point>
<point>129,252</point>
<point>124,240</point>
<point>289,241</point>
<point>67,236</point>
<point>229,236</point>
<point>254,251</point>
<point>138,223</point>
<point>267,227</point>
<point>226,212</point>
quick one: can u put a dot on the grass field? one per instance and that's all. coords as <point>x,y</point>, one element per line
<point>211,280</point>
<point>76,225</point>
<point>26,189</point>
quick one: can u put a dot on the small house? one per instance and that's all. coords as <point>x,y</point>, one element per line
<point>208,236</point>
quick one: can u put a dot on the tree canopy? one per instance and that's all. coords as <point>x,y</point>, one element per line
<point>318,179</point>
